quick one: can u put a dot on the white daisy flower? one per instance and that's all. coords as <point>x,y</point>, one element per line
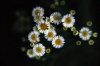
<point>39,49</point>
<point>68,20</point>
<point>58,41</point>
<point>33,36</point>
<point>50,34</point>
<point>43,26</point>
<point>85,33</point>
<point>30,53</point>
<point>38,19</point>
<point>38,11</point>
<point>55,18</point>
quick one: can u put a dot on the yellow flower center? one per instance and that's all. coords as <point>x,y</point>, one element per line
<point>68,20</point>
<point>58,42</point>
<point>31,52</point>
<point>50,35</point>
<point>44,26</point>
<point>34,37</point>
<point>38,12</point>
<point>56,17</point>
<point>39,18</point>
<point>85,33</point>
<point>39,49</point>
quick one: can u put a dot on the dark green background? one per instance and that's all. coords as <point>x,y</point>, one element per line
<point>12,29</point>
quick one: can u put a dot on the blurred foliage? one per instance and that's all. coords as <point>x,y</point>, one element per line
<point>22,22</point>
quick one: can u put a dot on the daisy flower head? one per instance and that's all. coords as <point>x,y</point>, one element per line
<point>43,26</point>
<point>30,53</point>
<point>50,34</point>
<point>33,36</point>
<point>38,19</point>
<point>68,20</point>
<point>55,18</point>
<point>85,33</point>
<point>38,11</point>
<point>58,41</point>
<point>39,49</point>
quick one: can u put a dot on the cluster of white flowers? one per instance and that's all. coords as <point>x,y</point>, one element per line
<point>43,25</point>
